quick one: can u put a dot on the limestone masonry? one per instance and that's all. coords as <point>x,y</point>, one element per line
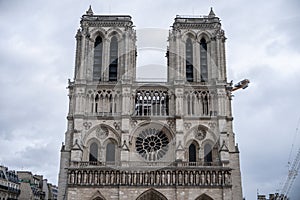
<point>149,140</point>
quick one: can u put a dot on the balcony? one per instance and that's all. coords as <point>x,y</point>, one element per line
<point>204,177</point>
<point>142,164</point>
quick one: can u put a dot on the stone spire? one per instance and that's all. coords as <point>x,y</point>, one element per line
<point>90,11</point>
<point>211,13</point>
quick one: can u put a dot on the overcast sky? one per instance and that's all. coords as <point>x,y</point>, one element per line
<point>37,48</point>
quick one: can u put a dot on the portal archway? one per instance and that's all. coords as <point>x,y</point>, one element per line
<point>151,195</point>
<point>204,197</point>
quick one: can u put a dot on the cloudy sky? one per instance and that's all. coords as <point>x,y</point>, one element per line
<point>37,48</point>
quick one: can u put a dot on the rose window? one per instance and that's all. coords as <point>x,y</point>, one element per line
<point>152,144</point>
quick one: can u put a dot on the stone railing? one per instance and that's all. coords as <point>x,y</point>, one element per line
<point>204,177</point>
<point>91,164</point>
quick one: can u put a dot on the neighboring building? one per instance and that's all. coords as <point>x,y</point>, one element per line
<point>34,187</point>
<point>53,191</point>
<point>9,184</point>
<point>149,140</point>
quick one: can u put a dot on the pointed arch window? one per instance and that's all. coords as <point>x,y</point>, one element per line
<point>203,60</point>
<point>110,153</point>
<point>189,60</point>
<point>208,154</point>
<point>93,152</point>
<point>113,59</point>
<point>98,48</point>
<point>192,153</point>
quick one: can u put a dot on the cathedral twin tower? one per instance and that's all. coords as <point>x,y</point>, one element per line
<point>149,140</point>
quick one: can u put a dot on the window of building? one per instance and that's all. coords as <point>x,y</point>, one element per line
<point>189,60</point>
<point>192,153</point>
<point>208,154</point>
<point>113,59</point>
<point>203,60</point>
<point>98,47</point>
<point>93,152</point>
<point>152,144</point>
<point>110,153</point>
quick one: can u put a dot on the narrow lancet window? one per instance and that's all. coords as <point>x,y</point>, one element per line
<point>189,60</point>
<point>98,48</point>
<point>208,154</point>
<point>113,59</point>
<point>93,152</point>
<point>110,153</point>
<point>192,153</point>
<point>203,61</point>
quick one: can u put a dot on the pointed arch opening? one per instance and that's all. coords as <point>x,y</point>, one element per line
<point>204,197</point>
<point>98,198</point>
<point>93,155</point>
<point>189,60</point>
<point>113,59</point>
<point>151,195</point>
<point>208,158</point>
<point>192,153</point>
<point>98,49</point>
<point>111,149</point>
<point>203,60</point>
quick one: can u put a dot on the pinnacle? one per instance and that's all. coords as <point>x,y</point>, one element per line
<point>211,13</point>
<point>90,11</point>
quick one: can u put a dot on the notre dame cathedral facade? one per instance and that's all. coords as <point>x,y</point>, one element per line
<point>133,140</point>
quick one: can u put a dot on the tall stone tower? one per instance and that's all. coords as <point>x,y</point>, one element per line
<point>149,140</point>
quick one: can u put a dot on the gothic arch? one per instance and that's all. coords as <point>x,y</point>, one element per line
<point>111,152</point>
<point>189,34</point>
<point>112,131</point>
<point>153,141</point>
<point>151,194</point>
<point>97,196</point>
<point>114,32</point>
<point>210,150</point>
<point>204,197</point>
<point>87,147</point>
<point>204,34</point>
<point>97,32</point>
<point>193,151</point>
<point>209,136</point>
<point>156,124</point>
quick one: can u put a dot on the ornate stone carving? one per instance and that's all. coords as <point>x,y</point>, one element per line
<point>133,123</point>
<point>117,125</point>
<point>152,144</point>
<point>212,125</point>
<point>200,133</point>
<point>163,177</point>
<point>87,125</point>
<point>171,123</point>
<point>187,125</point>
<point>102,132</point>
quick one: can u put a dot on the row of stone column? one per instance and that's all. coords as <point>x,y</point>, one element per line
<point>152,178</point>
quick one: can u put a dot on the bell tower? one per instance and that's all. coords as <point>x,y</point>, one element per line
<point>149,140</point>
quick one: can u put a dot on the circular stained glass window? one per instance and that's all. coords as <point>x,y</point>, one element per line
<point>152,144</point>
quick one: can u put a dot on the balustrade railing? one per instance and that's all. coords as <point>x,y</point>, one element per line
<point>82,164</point>
<point>164,177</point>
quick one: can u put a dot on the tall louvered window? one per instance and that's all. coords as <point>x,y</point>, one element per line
<point>113,59</point>
<point>189,60</point>
<point>203,61</point>
<point>98,48</point>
